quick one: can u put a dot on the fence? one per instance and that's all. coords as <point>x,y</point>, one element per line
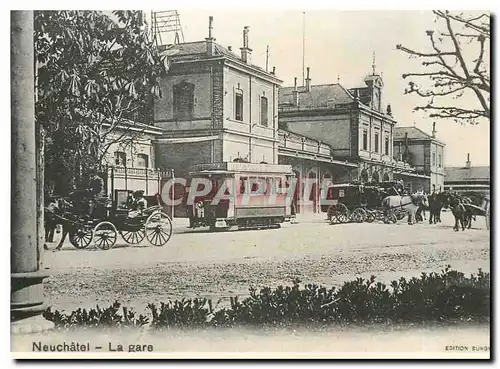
<point>148,180</point>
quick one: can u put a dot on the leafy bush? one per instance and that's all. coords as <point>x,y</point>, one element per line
<point>93,318</point>
<point>445,296</point>
<point>184,313</point>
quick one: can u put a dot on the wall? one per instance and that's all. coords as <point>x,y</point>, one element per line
<point>263,142</point>
<point>374,125</point>
<point>182,156</point>
<point>140,145</point>
<point>333,130</point>
<point>202,109</point>
<point>437,168</point>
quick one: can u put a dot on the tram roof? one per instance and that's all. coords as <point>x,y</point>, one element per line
<point>231,167</point>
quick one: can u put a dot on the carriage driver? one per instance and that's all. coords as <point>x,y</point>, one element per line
<point>95,189</point>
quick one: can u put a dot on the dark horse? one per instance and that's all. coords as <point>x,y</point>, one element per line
<point>60,211</point>
<point>454,202</point>
<point>436,204</point>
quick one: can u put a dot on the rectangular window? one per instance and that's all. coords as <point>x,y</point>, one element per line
<point>433,159</point>
<point>386,149</point>
<point>440,163</point>
<point>238,109</point>
<point>263,111</point>
<point>376,142</point>
<point>365,139</point>
<point>142,161</point>
<point>120,158</point>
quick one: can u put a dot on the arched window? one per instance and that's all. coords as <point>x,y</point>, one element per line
<point>375,177</point>
<point>386,177</point>
<point>183,100</point>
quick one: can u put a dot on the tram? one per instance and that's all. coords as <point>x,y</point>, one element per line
<point>243,195</point>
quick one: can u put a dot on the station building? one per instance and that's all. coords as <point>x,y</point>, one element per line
<point>217,106</point>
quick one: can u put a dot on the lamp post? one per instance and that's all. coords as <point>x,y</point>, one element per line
<point>27,299</point>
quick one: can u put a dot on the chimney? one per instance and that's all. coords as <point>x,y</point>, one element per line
<point>467,163</point>
<point>434,129</point>
<point>389,110</point>
<point>295,93</point>
<point>274,70</point>
<point>308,81</point>
<point>246,52</point>
<point>230,48</point>
<point>210,40</point>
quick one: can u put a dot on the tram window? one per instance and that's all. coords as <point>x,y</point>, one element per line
<point>278,185</point>
<point>243,181</point>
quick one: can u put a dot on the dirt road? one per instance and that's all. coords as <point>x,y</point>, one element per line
<point>219,265</point>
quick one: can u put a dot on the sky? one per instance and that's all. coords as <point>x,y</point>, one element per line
<point>339,46</point>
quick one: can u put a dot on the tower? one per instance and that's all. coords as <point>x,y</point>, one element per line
<point>375,84</point>
<point>166,22</point>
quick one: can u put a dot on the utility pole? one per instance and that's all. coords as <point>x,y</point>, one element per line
<point>267,58</point>
<point>303,47</point>
<point>27,298</point>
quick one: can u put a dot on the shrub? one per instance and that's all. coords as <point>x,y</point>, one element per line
<point>184,313</point>
<point>93,318</point>
<point>445,296</point>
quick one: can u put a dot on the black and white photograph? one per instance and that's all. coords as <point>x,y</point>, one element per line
<point>250,183</point>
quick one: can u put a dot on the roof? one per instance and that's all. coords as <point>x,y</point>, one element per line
<point>199,48</point>
<point>457,174</point>
<point>414,133</point>
<point>319,96</point>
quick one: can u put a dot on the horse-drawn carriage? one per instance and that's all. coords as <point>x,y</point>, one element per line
<point>87,220</point>
<point>356,202</point>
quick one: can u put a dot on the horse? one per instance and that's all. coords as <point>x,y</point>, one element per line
<point>454,202</point>
<point>53,210</point>
<point>410,203</point>
<point>436,203</point>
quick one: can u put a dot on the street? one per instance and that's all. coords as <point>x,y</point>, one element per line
<point>196,263</point>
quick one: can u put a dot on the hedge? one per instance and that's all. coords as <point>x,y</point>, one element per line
<point>440,297</point>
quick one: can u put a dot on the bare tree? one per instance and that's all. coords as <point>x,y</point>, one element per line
<point>456,68</point>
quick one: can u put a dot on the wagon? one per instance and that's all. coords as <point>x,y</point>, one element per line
<point>356,202</point>
<point>111,218</point>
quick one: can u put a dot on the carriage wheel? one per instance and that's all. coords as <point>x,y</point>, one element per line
<point>158,228</point>
<point>359,215</point>
<point>340,217</point>
<point>80,237</point>
<point>333,218</point>
<point>338,208</point>
<point>105,235</point>
<point>370,216</point>
<point>133,238</point>
<point>390,217</point>
<point>379,215</point>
